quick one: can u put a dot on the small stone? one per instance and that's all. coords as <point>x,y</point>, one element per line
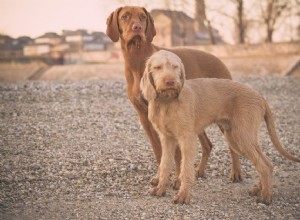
<point>133,167</point>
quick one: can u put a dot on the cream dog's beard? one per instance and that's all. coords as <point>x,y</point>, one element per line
<point>167,94</point>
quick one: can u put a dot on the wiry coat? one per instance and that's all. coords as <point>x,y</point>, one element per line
<point>180,109</point>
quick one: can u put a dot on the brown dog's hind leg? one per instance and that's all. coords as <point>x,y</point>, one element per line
<point>236,171</point>
<point>206,149</point>
<point>176,181</point>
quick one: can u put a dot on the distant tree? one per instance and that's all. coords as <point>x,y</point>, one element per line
<point>272,11</point>
<point>200,16</point>
<point>240,21</point>
<point>238,18</point>
<point>202,24</point>
<point>178,5</point>
<point>298,14</point>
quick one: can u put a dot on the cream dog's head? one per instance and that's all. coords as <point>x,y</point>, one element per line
<point>164,76</point>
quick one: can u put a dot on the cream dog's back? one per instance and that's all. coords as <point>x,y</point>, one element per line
<point>210,101</point>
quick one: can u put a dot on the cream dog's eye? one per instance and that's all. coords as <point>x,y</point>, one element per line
<point>157,67</point>
<point>175,66</point>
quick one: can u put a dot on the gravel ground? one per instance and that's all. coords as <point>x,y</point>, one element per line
<point>76,150</point>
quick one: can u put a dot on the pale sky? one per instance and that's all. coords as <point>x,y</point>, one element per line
<point>35,17</point>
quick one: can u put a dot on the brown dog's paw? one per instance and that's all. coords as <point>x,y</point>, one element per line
<point>236,177</point>
<point>176,184</point>
<point>154,181</point>
<point>182,198</point>
<point>156,191</point>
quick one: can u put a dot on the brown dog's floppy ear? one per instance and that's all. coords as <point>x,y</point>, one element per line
<point>112,29</point>
<point>147,84</point>
<point>150,29</point>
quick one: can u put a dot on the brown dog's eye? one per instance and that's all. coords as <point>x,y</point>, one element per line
<point>143,17</point>
<point>124,17</point>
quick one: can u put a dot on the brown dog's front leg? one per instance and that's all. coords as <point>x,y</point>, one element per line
<point>141,107</point>
<point>152,135</point>
<point>155,143</point>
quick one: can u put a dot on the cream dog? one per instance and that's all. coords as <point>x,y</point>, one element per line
<point>180,109</point>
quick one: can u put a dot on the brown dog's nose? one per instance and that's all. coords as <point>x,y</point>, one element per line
<point>137,27</point>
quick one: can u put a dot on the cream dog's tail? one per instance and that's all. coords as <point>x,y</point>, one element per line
<point>274,138</point>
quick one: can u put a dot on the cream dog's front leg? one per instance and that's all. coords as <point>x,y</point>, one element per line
<point>187,146</point>
<point>165,167</point>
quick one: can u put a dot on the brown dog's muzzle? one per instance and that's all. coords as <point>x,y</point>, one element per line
<point>137,28</point>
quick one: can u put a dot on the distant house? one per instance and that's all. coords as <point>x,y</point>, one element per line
<point>70,47</point>
<point>49,38</point>
<point>175,28</point>
<point>78,36</point>
<point>84,41</point>
<point>37,49</point>
<point>20,42</point>
<point>55,45</point>
<point>5,41</point>
<point>84,46</point>
<point>42,45</point>
<point>12,48</point>
<point>101,37</point>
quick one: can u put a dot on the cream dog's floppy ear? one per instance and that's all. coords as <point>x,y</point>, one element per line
<point>112,29</point>
<point>147,84</point>
<point>182,73</point>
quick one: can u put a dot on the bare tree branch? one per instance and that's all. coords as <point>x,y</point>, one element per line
<point>271,13</point>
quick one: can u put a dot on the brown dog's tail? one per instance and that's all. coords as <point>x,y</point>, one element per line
<point>274,138</point>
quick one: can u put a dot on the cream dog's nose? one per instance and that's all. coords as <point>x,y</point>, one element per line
<point>169,82</point>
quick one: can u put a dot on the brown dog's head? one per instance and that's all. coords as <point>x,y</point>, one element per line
<point>164,76</point>
<point>134,25</point>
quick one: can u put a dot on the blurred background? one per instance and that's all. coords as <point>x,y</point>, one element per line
<point>65,39</point>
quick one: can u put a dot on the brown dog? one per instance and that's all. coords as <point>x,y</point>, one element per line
<point>179,110</point>
<point>135,28</point>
